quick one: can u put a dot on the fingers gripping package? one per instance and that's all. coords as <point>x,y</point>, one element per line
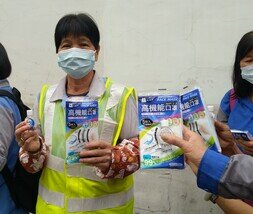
<point>197,117</point>
<point>81,125</point>
<point>157,114</point>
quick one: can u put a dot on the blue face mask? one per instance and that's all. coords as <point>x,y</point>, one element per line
<point>247,73</point>
<point>76,62</point>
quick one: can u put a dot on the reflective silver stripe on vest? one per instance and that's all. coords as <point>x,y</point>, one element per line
<point>99,203</point>
<point>116,92</point>
<point>51,197</point>
<point>77,170</point>
<point>55,163</point>
<point>49,112</point>
<point>83,171</point>
<point>109,125</point>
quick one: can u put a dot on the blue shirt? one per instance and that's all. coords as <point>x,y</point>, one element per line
<point>241,115</point>
<point>213,165</point>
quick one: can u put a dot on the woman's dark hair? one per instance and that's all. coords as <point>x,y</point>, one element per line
<point>241,86</point>
<point>77,25</point>
<point>5,65</point>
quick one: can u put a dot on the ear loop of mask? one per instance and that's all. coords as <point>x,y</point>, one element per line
<point>83,135</point>
<point>151,146</point>
<point>87,135</point>
<point>156,137</point>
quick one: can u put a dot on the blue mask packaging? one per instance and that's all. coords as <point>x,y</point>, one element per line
<point>81,125</point>
<point>197,117</point>
<point>158,113</point>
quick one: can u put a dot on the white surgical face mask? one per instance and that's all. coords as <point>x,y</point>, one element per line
<point>247,73</point>
<point>76,62</point>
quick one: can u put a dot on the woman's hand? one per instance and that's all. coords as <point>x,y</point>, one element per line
<point>225,136</point>
<point>97,153</point>
<point>247,146</point>
<point>27,138</point>
<point>227,141</point>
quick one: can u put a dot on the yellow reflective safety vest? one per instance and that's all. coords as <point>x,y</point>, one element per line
<point>76,188</point>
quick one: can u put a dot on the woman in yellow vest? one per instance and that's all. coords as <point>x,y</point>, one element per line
<point>101,181</point>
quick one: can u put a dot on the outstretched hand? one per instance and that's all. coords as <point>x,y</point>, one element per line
<point>192,145</point>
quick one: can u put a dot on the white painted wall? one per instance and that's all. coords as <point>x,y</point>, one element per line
<point>145,43</point>
<point>170,43</point>
<point>148,44</point>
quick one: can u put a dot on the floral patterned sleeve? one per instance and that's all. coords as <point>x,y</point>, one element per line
<point>33,162</point>
<point>125,160</point>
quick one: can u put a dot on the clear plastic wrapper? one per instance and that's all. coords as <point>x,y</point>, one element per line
<point>197,117</point>
<point>159,113</point>
<point>81,125</point>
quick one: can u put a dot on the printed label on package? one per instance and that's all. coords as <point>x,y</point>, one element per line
<point>159,114</point>
<point>197,117</point>
<point>81,125</point>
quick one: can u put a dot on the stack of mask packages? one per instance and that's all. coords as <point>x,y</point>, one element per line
<point>161,112</point>
<point>158,113</point>
<point>81,125</point>
<point>197,117</point>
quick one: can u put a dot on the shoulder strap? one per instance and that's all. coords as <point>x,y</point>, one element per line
<point>9,95</point>
<point>232,99</point>
<point>16,99</point>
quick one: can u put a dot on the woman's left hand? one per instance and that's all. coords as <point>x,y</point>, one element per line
<point>226,139</point>
<point>97,153</point>
<point>247,146</point>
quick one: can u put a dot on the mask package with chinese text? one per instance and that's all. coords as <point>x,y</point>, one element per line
<point>81,125</point>
<point>158,113</point>
<point>196,117</point>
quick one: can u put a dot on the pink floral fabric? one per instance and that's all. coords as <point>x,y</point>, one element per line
<point>125,160</point>
<point>33,162</point>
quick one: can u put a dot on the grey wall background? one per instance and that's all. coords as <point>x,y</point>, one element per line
<point>148,44</point>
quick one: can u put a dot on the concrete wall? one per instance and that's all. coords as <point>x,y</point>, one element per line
<point>145,43</point>
<point>170,191</point>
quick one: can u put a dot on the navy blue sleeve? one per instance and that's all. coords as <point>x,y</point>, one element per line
<point>211,169</point>
<point>224,104</point>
